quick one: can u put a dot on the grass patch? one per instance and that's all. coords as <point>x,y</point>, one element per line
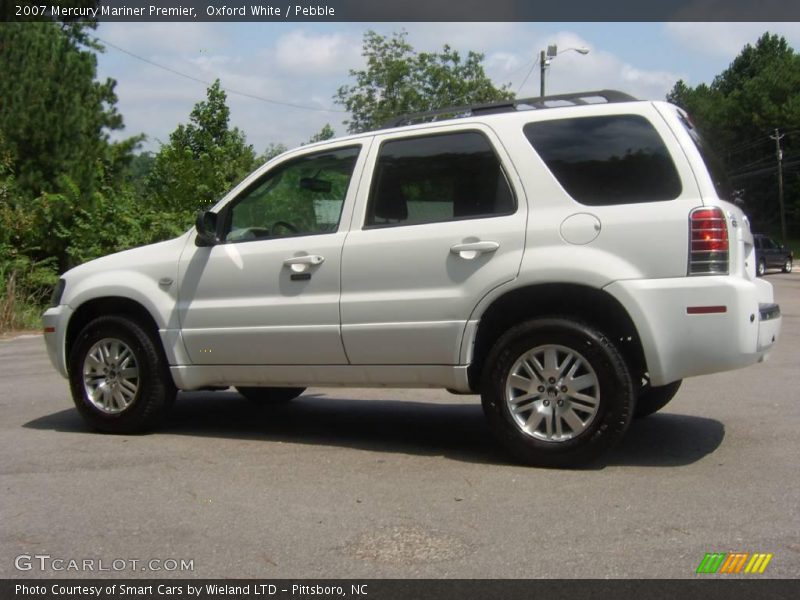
<point>16,316</point>
<point>20,308</point>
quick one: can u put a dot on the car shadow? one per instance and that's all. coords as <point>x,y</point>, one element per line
<point>455,430</point>
<point>666,440</point>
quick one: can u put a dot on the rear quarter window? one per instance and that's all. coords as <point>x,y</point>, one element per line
<point>600,161</point>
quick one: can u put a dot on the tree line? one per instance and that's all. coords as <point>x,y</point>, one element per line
<point>68,193</point>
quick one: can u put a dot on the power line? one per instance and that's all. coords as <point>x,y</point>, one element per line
<point>528,75</point>
<point>208,83</point>
<point>756,162</point>
<point>745,146</point>
<point>789,166</point>
<point>518,70</point>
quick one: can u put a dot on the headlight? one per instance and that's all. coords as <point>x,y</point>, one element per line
<point>58,291</point>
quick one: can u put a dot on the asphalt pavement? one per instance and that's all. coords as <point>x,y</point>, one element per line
<point>396,483</point>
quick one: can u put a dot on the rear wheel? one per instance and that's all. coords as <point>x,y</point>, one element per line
<point>270,395</point>
<point>787,266</point>
<point>761,268</point>
<point>119,377</point>
<point>651,399</point>
<point>556,393</point>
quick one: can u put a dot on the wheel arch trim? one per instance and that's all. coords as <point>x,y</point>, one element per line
<point>566,298</point>
<point>126,301</point>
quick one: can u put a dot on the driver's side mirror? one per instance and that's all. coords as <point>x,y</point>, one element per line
<point>206,226</point>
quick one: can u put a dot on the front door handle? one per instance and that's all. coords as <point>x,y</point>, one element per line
<point>301,264</point>
<point>472,250</point>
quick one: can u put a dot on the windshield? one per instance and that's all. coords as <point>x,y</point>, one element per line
<point>716,169</point>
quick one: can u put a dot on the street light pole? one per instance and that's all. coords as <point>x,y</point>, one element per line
<point>542,66</point>
<point>544,61</point>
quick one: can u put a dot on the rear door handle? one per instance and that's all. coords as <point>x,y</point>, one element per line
<point>472,250</point>
<point>301,264</point>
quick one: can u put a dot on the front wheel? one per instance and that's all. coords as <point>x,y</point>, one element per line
<point>761,268</point>
<point>270,395</point>
<point>118,376</point>
<point>556,392</point>
<point>787,266</point>
<point>651,399</point>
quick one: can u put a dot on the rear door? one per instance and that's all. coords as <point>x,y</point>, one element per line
<point>441,223</point>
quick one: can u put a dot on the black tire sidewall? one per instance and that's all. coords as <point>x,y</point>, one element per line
<point>652,399</point>
<point>156,389</point>
<point>616,392</point>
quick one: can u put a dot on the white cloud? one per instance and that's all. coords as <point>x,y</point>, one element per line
<point>306,66</point>
<point>480,37</point>
<point>154,100</point>
<point>171,38</point>
<point>571,71</point>
<point>726,40</point>
<point>503,62</point>
<point>301,52</point>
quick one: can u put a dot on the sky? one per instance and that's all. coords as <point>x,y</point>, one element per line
<point>305,63</point>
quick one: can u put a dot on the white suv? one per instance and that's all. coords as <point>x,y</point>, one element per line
<point>569,258</point>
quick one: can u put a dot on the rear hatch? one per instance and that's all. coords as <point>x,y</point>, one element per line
<point>740,245</point>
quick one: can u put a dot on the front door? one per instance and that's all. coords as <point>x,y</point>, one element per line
<point>268,293</point>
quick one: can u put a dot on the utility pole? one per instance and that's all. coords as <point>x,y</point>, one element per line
<point>779,155</point>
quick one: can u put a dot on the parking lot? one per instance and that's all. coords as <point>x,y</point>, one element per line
<point>400,483</point>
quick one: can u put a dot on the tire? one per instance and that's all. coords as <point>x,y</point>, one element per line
<point>652,399</point>
<point>761,268</point>
<point>119,376</point>
<point>270,395</point>
<point>787,266</point>
<point>588,404</point>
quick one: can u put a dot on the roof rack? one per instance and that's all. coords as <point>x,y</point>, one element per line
<point>539,102</point>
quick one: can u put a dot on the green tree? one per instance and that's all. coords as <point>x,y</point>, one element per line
<point>271,152</point>
<point>323,134</point>
<point>57,158</point>
<point>55,116</point>
<point>202,160</point>
<point>400,80</point>
<point>758,93</point>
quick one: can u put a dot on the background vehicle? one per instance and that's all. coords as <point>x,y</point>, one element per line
<point>770,255</point>
<point>510,252</point>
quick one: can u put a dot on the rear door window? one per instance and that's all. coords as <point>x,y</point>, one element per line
<point>437,178</point>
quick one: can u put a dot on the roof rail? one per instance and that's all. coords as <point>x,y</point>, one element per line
<point>539,102</point>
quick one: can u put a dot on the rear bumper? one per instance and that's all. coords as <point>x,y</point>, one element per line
<point>699,325</point>
<point>769,317</point>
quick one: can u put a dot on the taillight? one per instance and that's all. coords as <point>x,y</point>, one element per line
<point>708,242</point>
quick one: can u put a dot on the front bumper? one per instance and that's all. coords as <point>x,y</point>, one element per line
<point>700,325</point>
<point>55,320</point>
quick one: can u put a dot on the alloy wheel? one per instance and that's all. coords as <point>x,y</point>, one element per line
<point>111,375</point>
<point>552,393</point>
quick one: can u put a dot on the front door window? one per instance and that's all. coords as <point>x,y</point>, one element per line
<point>303,196</point>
